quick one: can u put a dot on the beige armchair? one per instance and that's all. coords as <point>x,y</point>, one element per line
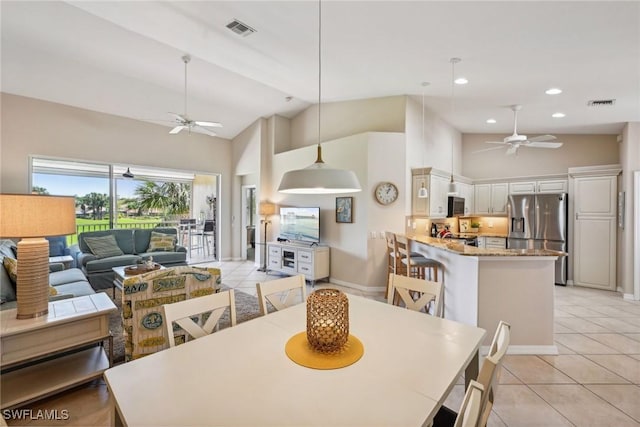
<point>144,295</point>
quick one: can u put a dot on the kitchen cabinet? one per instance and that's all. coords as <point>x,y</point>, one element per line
<point>594,225</point>
<point>419,206</point>
<point>540,186</point>
<point>491,199</point>
<point>492,242</point>
<point>438,194</point>
<point>467,193</point>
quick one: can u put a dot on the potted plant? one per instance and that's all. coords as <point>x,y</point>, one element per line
<point>474,226</point>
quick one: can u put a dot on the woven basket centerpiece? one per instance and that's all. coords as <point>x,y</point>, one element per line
<point>327,320</point>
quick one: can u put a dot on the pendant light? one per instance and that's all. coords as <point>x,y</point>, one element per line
<point>319,178</point>
<point>422,192</point>
<point>453,190</point>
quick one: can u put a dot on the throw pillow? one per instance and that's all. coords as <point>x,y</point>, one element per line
<point>104,246</point>
<point>52,291</point>
<point>161,242</point>
<point>11,265</point>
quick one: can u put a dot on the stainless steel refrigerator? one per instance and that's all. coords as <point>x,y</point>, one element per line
<point>539,221</point>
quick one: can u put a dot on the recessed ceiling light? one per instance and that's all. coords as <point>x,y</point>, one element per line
<point>553,91</point>
<point>558,115</point>
<point>491,121</point>
<point>461,81</point>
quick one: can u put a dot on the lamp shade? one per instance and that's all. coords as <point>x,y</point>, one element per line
<point>266,208</point>
<point>30,215</point>
<point>319,178</point>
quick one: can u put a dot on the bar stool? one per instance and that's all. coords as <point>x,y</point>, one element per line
<point>415,264</point>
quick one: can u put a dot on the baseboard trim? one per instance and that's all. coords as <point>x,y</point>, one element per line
<point>368,289</point>
<point>526,349</point>
<point>629,297</point>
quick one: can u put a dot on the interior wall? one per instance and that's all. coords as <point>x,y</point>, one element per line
<point>630,161</point>
<point>577,150</point>
<point>34,127</point>
<point>351,264</point>
<point>340,119</point>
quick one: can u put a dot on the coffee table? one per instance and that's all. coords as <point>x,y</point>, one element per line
<point>65,260</point>
<point>120,276</point>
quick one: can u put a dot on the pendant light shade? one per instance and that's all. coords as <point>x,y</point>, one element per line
<point>319,178</point>
<point>422,192</point>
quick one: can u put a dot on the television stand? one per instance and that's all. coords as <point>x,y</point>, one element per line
<point>295,258</point>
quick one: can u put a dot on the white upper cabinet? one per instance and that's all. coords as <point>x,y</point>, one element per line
<point>438,196</point>
<point>540,186</point>
<point>491,199</point>
<point>466,192</point>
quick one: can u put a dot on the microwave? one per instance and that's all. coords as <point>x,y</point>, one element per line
<point>455,207</point>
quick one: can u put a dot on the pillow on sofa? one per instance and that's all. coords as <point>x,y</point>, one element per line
<point>103,246</point>
<point>161,242</point>
<point>11,265</point>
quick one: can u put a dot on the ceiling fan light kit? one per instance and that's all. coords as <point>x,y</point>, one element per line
<point>183,120</point>
<point>128,174</point>
<point>319,178</point>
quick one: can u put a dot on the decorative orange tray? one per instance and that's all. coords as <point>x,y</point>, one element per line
<point>134,270</point>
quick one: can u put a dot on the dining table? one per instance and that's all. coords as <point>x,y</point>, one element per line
<point>241,376</point>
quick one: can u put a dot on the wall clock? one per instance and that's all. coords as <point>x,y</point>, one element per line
<point>386,193</point>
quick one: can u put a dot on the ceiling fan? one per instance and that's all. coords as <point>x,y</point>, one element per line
<point>516,141</point>
<point>183,121</point>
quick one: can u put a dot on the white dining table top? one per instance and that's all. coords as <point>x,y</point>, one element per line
<point>241,376</point>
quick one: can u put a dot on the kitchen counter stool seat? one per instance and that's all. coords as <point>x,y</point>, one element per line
<point>415,264</point>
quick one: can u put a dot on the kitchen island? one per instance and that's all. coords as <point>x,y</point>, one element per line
<point>484,286</point>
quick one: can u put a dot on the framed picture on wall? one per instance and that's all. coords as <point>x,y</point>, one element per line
<point>344,209</point>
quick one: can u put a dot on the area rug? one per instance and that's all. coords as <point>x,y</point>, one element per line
<point>247,308</point>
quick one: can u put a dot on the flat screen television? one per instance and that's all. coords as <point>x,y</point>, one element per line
<point>300,224</point>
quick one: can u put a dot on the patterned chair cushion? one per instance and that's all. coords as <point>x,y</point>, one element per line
<point>144,295</point>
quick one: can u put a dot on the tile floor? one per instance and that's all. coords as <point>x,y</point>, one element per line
<point>595,380</point>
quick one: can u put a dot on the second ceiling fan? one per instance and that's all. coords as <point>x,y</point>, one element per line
<point>183,121</point>
<point>516,141</point>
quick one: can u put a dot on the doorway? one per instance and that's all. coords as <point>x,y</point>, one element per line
<point>248,240</point>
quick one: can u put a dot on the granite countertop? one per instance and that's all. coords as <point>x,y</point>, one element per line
<point>461,249</point>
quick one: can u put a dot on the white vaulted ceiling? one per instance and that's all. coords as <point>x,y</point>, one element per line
<point>123,58</point>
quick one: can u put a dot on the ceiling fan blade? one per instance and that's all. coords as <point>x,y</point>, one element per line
<point>205,130</point>
<point>544,144</point>
<point>542,138</point>
<point>495,142</point>
<point>179,117</point>
<point>487,149</point>
<point>177,129</point>
<point>208,124</point>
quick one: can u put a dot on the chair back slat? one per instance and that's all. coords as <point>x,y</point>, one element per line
<point>281,293</point>
<point>415,294</point>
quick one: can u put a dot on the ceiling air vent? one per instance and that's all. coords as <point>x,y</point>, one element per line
<point>601,102</point>
<point>239,28</point>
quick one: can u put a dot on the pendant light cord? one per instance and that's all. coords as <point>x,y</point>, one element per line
<point>319,159</point>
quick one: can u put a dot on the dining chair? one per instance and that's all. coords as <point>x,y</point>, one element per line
<point>415,264</point>
<point>469,412</point>
<point>206,310</point>
<point>488,378</point>
<point>281,293</point>
<point>415,294</point>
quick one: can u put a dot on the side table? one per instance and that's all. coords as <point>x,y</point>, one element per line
<point>66,260</point>
<point>30,367</point>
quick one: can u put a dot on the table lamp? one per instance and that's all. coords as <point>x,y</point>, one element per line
<point>266,209</point>
<point>31,218</point>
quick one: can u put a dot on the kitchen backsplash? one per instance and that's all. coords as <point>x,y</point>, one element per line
<point>486,225</point>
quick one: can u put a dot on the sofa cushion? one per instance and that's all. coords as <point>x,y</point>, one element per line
<point>142,237</point>
<point>106,264</point>
<point>66,276</point>
<point>161,242</point>
<point>77,289</point>
<point>124,237</point>
<point>103,246</point>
